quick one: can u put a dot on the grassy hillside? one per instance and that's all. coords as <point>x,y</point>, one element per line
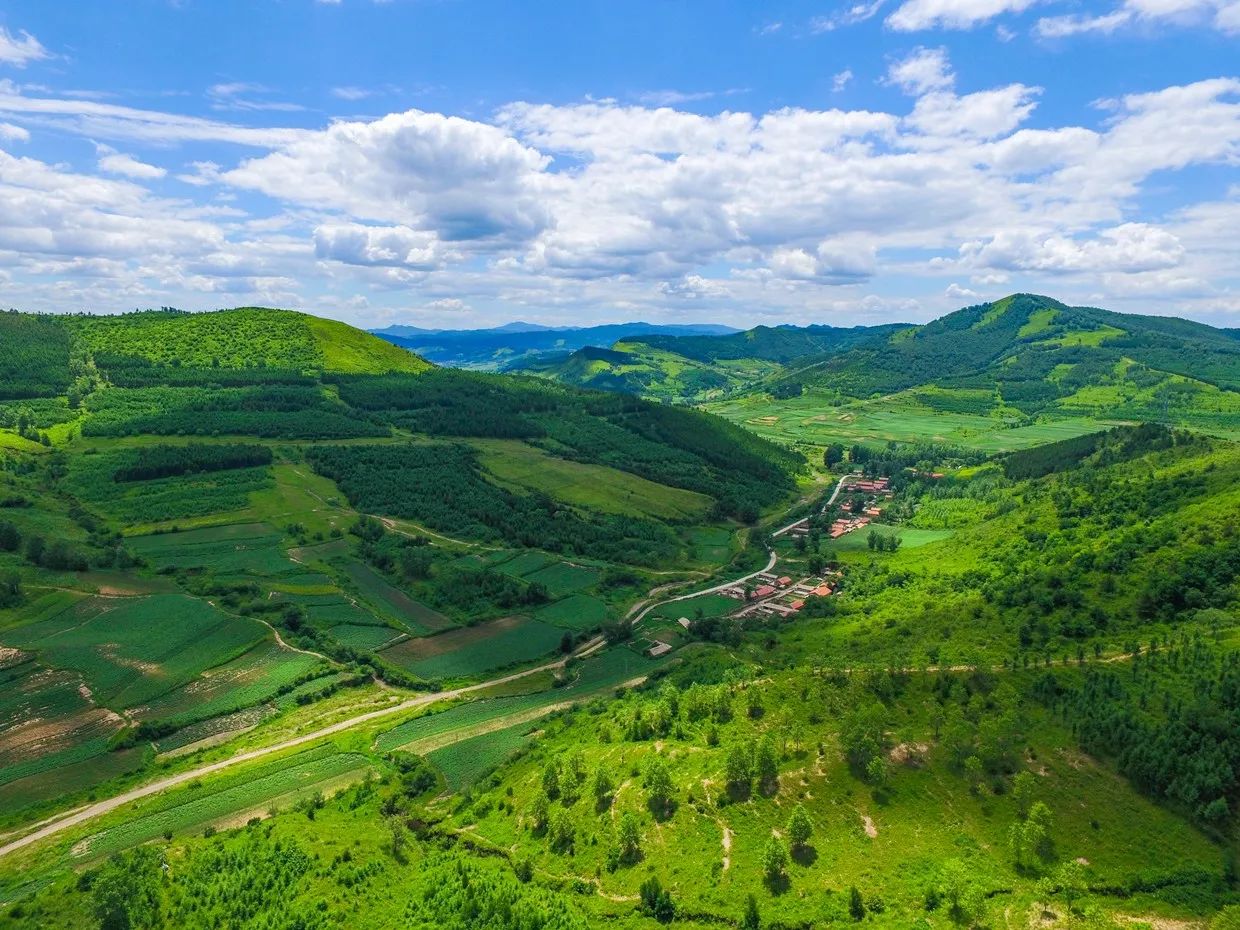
<point>245,338</point>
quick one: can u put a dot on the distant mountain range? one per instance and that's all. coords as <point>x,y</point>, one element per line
<point>503,347</point>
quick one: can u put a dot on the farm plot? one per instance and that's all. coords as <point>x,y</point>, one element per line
<point>522,564</point>
<point>565,578</point>
<point>367,638</point>
<point>249,549</point>
<point>711,544</point>
<point>281,783</point>
<point>595,487</point>
<point>131,650</point>
<point>390,599</point>
<point>90,479</point>
<point>816,418</point>
<point>222,726</point>
<point>476,649</point>
<point>69,777</point>
<point>254,677</point>
<point>910,538</point>
<point>462,763</point>
<point>590,676</point>
<point>576,612</point>
<point>707,605</point>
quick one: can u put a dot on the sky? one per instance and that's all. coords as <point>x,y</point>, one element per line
<point>462,163</point>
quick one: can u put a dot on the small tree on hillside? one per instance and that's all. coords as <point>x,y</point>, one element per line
<point>774,860</point>
<point>766,766</point>
<point>659,787</point>
<point>800,829</point>
<point>629,838</point>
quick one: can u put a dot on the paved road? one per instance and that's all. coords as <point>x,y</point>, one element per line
<point>63,822</point>
<point>830,500</point>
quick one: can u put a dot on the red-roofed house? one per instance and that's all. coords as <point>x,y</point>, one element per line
<point>764,591</point>
<point>784,581</point>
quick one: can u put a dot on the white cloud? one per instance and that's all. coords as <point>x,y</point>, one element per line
<point>244,96</point>
<point>841,80</point>
<point>351,93</point>
<point>1223,15</point>
<point>118,163</point>
<point>956,292</point>
<point>848,16</point>
<point>394,246</point>
<point>916,15</point>
<point>1127,249</point>
<point>21,49</point>
<point>11,133</point>
<point>924,70</point>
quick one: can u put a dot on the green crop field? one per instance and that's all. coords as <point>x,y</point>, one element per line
<point>129,651</point>
<point>394,602</point>
<point>706,605</point>
<point>363,637</point>
<point>520,564</point>
<point>815,419</point>
<point>576,612</point>
<point>910,538</point>
<point>249,679</point>
<point>564,578</point>
<point>190,808</point>
<point>475,649</point>
<point>463,762</point>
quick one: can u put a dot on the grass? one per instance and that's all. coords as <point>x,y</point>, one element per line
<point>709,544</point>
<point>476,649</point>
<point>595,487</point>
<point>710,605</point>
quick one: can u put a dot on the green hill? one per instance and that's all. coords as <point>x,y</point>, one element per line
<point>1035,353</point>
<point>244,338</point>
<point>695,368</point>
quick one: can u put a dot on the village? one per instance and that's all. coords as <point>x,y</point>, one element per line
<point>767,594</point>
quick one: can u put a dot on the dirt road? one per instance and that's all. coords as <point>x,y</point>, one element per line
<point>63,822</point>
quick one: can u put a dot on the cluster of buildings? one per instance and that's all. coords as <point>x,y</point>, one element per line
<point>781,596</point>
<point>875,489</point>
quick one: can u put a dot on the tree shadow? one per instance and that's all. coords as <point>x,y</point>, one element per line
<point>804,855</point>
<point>661,812</point>
<point>603,804</point>
<point>778,884</point>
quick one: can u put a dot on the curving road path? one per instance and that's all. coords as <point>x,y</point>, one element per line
<point>64,821</point>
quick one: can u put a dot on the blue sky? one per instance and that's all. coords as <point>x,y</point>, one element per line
<point>460,163</point>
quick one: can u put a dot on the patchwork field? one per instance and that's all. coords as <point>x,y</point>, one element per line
<point>815,419</point>
<point>475,649</point>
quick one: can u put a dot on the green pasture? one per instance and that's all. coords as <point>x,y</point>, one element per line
<point>565,578</point>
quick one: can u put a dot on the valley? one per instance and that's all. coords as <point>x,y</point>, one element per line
<point>832,645</point>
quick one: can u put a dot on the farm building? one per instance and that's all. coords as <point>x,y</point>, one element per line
<point>765,590</point>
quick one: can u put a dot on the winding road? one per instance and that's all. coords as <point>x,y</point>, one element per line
<point>64,821</point>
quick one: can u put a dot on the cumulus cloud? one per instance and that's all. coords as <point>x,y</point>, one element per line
<point>1128,248</point>
<point>461,179</point>
<point>924,70</point>
<point>392,246</point>
<point>19,50</point>
<point>637,209</point>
